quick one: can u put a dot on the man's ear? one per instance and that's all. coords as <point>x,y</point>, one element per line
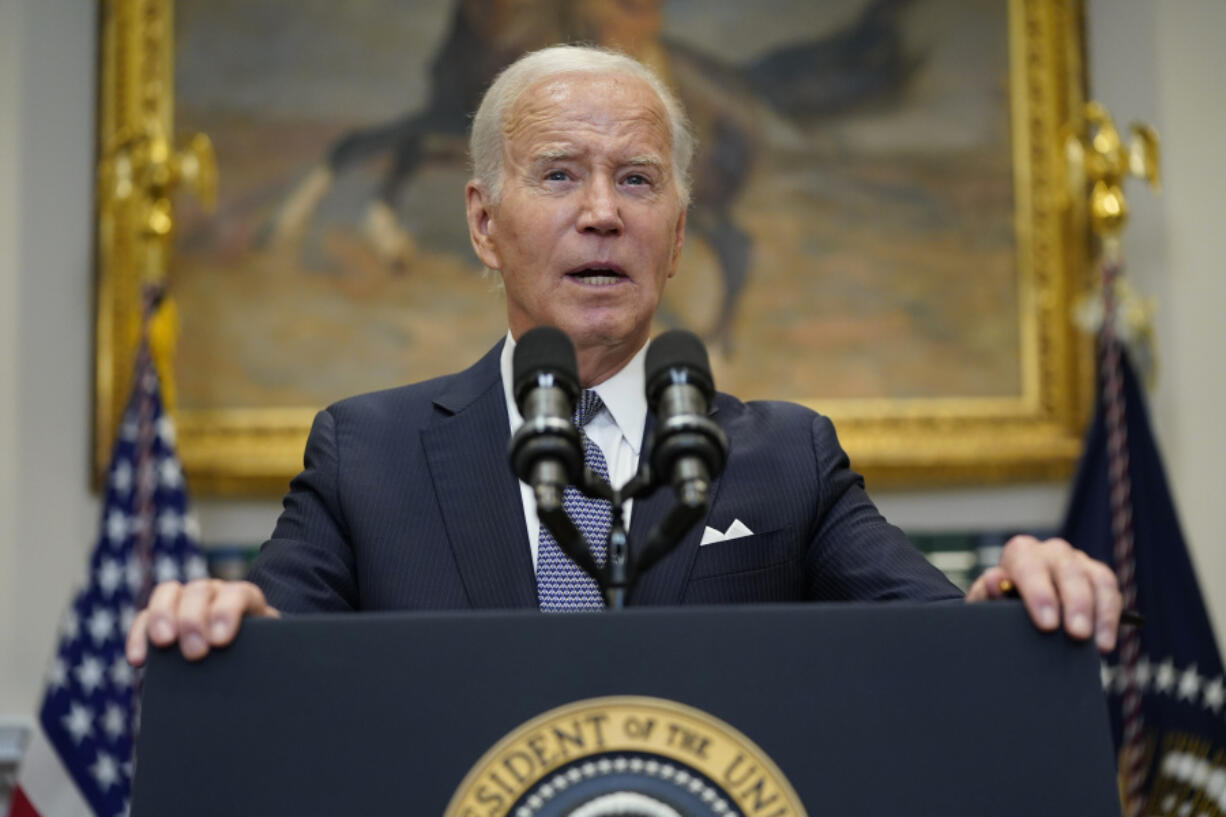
<point>478,208</point>
<point>678,242</point>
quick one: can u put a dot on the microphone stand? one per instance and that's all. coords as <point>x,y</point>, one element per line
<point>616,578</point>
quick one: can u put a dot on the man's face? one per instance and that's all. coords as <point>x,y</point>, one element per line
<point>589,224</point>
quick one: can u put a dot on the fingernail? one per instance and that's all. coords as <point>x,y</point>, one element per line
<point>1079,625</point>
<point>1105,638</point>
<point>218,630</point>
<point>193,644</point>
<point>1048,618</point>
<point>161,630</point>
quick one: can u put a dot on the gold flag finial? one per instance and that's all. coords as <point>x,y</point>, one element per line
<point>1099,162</point>
<point>142,171</point>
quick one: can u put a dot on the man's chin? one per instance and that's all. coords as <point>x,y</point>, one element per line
<point>605,334</point>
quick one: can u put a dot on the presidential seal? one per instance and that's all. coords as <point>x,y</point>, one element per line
<point>625,756</point>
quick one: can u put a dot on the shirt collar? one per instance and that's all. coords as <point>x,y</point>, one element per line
<point>623,394</point>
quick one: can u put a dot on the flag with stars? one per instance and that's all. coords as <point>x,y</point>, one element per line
<point>79,759</point>
<point>1174,676</point>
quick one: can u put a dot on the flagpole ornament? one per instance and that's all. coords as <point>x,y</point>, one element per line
<point>141,171</point>
<point>141,166</point>
<point>1099,162</point>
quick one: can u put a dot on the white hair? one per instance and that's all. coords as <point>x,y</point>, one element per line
<point>485,143</point>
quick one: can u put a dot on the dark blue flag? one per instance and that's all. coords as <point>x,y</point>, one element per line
<point>1176,675</point>
<point>79,761</point>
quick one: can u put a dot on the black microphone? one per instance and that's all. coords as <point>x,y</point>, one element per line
<point>690,449</point>
<point>546,451</point>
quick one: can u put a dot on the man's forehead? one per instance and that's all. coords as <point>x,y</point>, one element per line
<point>616,103</point>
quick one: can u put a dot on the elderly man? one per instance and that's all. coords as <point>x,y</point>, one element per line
<point>406,500</point>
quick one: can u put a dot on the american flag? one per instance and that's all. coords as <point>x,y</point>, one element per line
<point>1166,690</point>
<point>79,758</point>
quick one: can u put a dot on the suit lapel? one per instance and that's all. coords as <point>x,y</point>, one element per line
<point>665,582</point>
<point>466,448</point>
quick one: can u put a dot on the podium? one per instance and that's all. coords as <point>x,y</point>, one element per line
<point>760,711</point>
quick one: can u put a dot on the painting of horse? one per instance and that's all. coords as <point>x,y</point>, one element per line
<point>850,233</point>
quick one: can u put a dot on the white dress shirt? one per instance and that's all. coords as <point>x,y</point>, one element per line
<point>617,429</point>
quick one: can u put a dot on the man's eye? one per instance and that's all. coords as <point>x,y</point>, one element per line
<point>637,178</point>
<point>556,176</point>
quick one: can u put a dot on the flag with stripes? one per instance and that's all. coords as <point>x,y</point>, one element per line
<point>78,762</point>
<point>1164,681</point>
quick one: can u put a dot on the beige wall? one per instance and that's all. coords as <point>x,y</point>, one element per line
<point>10,60</point>
<point>1191,72</point>
<point>1156,61</point>
<point>47,520</point>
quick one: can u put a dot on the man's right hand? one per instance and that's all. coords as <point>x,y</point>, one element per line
<point>199,615</point>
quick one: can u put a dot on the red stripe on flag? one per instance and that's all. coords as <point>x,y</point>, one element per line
<point>20,806</point>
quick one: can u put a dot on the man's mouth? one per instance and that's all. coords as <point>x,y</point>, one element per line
<point>597,275</point>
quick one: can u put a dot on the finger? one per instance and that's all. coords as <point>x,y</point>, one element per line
<point>991,584</point>
<point>232,602</point>
<point>1076,593</point>
<point>163,611</point>
<point>194,604</point>
<point>137,647</point>
<point>1026,564</point>
<point>1108,604</point>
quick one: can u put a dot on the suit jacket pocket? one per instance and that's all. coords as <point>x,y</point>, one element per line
<point>756,552</point>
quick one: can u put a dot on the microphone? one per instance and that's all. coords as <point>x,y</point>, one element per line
<point>690,449</point>
<point>546,451</point>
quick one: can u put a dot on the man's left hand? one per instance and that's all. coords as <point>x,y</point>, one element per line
<point>1057,583</point>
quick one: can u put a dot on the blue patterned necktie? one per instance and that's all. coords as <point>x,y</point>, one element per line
<point>561,585</point>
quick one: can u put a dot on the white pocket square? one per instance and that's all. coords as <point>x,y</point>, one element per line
<point>736,530</point>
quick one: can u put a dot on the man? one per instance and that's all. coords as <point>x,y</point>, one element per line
<point>406,500</point>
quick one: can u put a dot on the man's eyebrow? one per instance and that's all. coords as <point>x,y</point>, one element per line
<point>644,160</point>
<point>553,155</point>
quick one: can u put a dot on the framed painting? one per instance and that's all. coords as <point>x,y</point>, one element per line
<point>880,227</point>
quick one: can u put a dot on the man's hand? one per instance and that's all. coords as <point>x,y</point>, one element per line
<point>199,615</point>
<point>1057,583</point>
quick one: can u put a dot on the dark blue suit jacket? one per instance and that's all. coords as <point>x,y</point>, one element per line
<point>407,502</point>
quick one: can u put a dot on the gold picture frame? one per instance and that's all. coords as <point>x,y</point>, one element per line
<point>895,442</point>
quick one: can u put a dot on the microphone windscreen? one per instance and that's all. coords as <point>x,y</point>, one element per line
<point>678,350</point>
<point>544,349</point>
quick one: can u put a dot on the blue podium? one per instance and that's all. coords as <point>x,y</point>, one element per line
<point>759,711</point>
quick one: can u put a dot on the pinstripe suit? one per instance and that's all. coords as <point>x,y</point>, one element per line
<point>406,502</point>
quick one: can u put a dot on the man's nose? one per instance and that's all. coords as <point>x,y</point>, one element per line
<point>600,211</point>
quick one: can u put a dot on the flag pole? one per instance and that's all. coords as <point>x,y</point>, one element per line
<point>1100,162</point>
<point>1133,762</point>
<point>145,379</point>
